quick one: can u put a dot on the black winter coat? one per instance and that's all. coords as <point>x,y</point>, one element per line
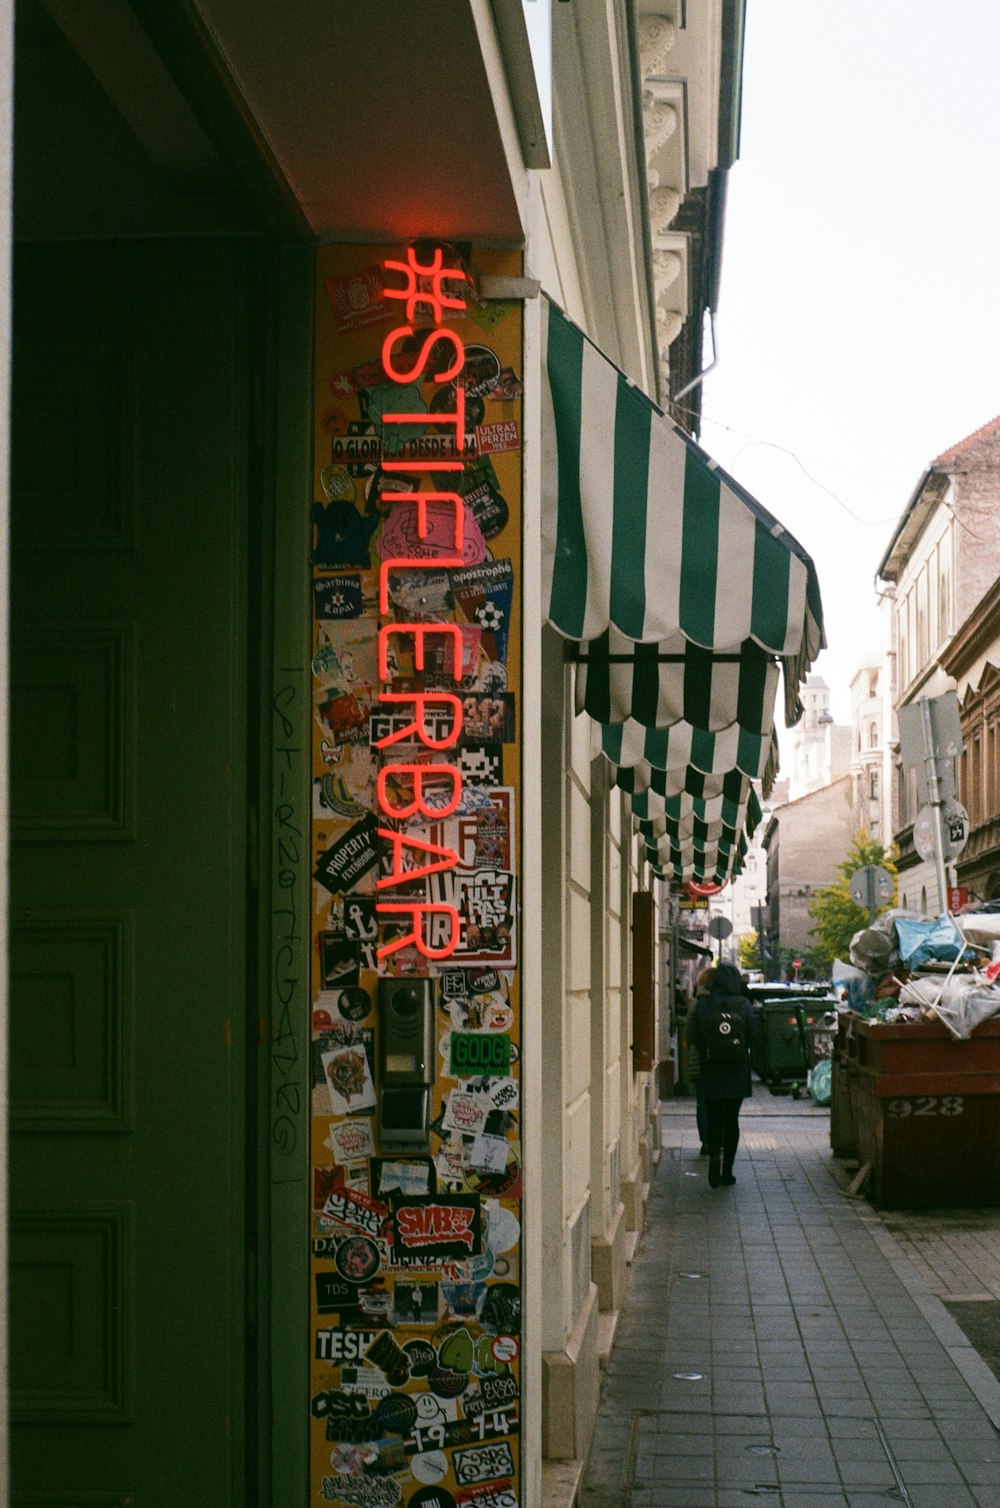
<point>723,1083</point>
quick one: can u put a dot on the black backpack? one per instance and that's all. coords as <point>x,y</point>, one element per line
<point>725,1035</point>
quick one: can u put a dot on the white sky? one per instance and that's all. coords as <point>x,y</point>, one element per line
<point>859,317</point>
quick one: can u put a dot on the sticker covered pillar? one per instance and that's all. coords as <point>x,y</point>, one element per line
<point>416,1107</point>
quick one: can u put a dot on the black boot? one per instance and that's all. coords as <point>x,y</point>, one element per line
<point>714,1170</point>
<point>727,1175</point>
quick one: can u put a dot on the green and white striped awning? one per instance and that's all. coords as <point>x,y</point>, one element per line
<point>683,597</point>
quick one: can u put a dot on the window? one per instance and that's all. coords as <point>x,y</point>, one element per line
<point>976,793</point>
<point>944,605</point>
<point>873,785</point>
<point>873,736</point>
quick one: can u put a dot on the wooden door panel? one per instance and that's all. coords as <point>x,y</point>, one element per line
<point>128,938</point>
<point>70,1023</point>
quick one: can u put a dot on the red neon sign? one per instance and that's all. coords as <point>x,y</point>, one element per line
<point>424,287</point>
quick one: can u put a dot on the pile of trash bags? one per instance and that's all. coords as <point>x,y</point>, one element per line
<point>908,968</point>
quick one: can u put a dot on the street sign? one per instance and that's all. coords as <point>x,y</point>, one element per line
<point>958,897</point>
<point>720,927</point>
<point>703,887</point>
<point>954,825</point>
<point>944,729</point>
<point>871,887</point>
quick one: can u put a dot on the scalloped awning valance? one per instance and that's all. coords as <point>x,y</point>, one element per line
<point>683,597</point>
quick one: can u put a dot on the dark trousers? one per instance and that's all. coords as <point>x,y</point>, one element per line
<point>723,1129</point>
<point>701,1116</point>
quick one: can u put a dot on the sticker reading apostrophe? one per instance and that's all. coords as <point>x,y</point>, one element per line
<point>485,593</point>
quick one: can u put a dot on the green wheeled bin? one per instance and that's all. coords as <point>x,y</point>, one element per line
<point>781,1055</point>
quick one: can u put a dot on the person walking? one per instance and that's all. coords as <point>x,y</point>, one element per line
<point>722,1030</point>
<point>703,985</point>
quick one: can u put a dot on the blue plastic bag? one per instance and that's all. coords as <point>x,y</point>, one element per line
<point>920,940</point>
<point>821,1082</point>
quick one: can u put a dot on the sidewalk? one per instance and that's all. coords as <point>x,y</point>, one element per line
<point>783,1342</point>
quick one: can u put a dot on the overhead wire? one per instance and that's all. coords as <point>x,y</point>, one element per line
<point>877,523</point>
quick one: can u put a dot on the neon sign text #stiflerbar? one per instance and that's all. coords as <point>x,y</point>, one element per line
<point>423,289</point>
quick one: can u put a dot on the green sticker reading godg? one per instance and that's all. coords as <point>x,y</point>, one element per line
<point>479,1053</point>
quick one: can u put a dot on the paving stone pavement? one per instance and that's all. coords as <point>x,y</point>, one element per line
<point>778,1345</point>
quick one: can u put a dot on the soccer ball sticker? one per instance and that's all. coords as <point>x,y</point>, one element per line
<point>489,616</point>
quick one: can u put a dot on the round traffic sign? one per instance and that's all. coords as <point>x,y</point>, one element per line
<point>703,887</point>
<point>720,927</point>
<point>871,885</point>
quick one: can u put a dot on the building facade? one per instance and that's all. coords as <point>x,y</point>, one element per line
<point>805,840</point>
<point>868,749</point>
<point>936,572</point>
<point>287,307</point>
<point>817,749</point>
<point>973,660</point>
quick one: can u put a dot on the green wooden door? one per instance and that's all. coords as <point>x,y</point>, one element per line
<point>128,934</point>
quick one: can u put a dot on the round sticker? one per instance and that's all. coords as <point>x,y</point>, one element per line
<point>447,1384</point>
<point>488,508</point>
<point>354,1004</point>
<point>431,1497</point>
<point>357,1259</point>
<point>496,1185</point>
<point>481,371</point>
<point>430,1468</point>
<point>503,1230</point>
<point>505,1348</point>
<point>396,1414</point>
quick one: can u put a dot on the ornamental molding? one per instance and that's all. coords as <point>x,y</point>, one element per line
<point>657,38</point>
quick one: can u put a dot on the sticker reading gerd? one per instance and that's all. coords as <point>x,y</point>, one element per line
<point>437,1226</point>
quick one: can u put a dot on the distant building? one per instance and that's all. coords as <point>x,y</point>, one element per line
<point>805,840</point>
<point>744,900</point>
<point>817,750</point>
<point>867,749</point>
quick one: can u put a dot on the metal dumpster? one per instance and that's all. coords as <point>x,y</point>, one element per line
<point>927,1112</point>
<point>788,1030</point>
<point>843,1129</point>
<point>782,1053</point>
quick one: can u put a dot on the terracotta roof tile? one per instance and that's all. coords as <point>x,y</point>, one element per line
<point>954,451</point>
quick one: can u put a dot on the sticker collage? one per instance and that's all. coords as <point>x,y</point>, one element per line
<point>416,1111</point>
